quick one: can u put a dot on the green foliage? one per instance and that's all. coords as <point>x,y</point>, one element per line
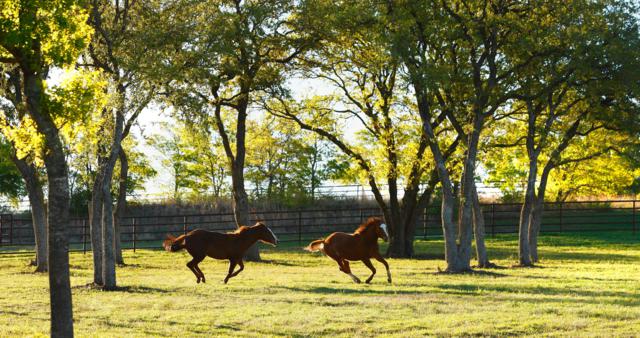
<point>11,184</point>
<point>287,164</point>
<point>51,32</point>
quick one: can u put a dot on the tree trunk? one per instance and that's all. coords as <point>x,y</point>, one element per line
<point>241,211</point>
<point>534,230</point>
<point>465,216</point>
<point>446,213</point>
<point>536,213</point>
<point>38,212</point>
<point>95,228</point>
<point>479,232</point>
<point>397,243</point>
<point>396,215</point>
<point>108,254</point>
<point>524,250</point>
<point>58,216</point>
<point>121,205</point>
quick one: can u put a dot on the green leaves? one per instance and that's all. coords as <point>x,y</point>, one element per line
<point>50,32</point>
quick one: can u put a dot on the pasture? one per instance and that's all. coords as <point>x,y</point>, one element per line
<point>586,285</point>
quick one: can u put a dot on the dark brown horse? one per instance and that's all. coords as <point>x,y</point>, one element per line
<point>231,246</point>
<point>362,245</point>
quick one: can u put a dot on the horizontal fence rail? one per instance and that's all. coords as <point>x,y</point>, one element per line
<point>301,226</point>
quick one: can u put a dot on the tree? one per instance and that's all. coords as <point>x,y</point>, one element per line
<point>231,51</point>
<point>573,102</point>
<point>22,149</point>
<point>457,64</point>
<point>358,63</point>
<point>119,50</point>
<point>36,35</point>
<point>285,163</point>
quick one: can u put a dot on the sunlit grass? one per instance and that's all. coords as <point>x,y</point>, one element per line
<point>586,285</point>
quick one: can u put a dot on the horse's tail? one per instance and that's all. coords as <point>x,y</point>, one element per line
<point>315,245</point>
<point>173,244</point>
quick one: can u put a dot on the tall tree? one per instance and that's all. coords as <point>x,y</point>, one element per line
<point>233,50</point>
<point>36,35</point>
<point>119,50</point>
<point>456,62</point>
<point>390,149</point>
<point>23,150</point>
<point>585,85</point>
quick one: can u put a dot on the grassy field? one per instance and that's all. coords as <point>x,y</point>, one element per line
<point>586,285</point>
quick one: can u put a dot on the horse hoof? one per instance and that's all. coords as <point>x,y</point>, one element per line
<point>389,280</point>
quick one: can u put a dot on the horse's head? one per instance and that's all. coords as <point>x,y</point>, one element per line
<point>170,244</point>
<point>265,234</point>
<point>374,224</point>
<point>382,232</point>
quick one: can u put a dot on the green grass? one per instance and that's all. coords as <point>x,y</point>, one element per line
<point>586,285</point>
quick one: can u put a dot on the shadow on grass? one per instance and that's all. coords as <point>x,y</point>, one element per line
<point>532,293</point>
<point>279,262</point>
<point>475,273</point>
<point>127,289</point>
<point>363,291</point>
<point>144,289</point>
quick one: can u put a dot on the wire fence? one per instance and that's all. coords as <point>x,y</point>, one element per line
<point>300,226</point>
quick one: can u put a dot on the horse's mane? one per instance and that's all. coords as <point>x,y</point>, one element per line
<point>369,222</point>
<point>240,230</point>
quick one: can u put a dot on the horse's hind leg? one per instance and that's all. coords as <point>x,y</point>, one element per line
<point>346,269</point>
<point>386,265</point>
<point>193,266</point>
<point>367,262</point>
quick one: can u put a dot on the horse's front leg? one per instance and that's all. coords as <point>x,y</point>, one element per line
<point>386,265</point>
<point>232,265</point>
<point>193,266</point>
<point>241,264</point>
<point>367,262</point>
<point>200,271</point>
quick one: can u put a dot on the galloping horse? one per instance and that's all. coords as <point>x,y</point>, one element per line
<point>362,245</point>
<point>232,246</point>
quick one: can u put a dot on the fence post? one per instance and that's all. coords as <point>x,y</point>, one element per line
<point>361,215</point>
<point>493,220</point>
<point>184,224</point>
<point>1,218</point>
<point>299,227</point>
<point>424,222</point>
<point>634,217</point>
<point>560,216</point>
<point>84,236</point>
<point>10,228</point>
<point>134,234</point>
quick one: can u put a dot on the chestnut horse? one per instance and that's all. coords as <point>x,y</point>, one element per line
<point>232,246</point>
<point>362,245</point>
